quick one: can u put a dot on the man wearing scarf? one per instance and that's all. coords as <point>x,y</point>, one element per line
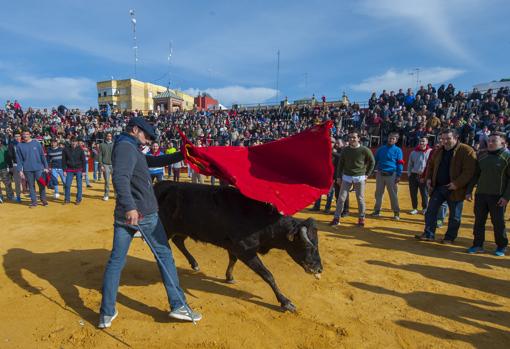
<point>416,166</point>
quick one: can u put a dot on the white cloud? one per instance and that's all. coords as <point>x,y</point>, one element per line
<point>393,79</point>
<point>433,19</point>
<point>50,91</point>
<point>237,94</point>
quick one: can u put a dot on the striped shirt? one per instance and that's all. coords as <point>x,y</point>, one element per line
<point>55,157</point>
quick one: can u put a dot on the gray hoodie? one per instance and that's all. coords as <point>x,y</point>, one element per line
<point>418,161</point>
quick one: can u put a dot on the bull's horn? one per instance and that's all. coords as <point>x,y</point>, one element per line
<point>304,235</point>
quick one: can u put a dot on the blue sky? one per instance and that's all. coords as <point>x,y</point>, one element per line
<point>53,52</point>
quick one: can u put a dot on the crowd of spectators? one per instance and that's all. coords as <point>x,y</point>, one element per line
<point>412,115</point>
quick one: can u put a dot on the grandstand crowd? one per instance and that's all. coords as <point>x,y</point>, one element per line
<point>51,148</point>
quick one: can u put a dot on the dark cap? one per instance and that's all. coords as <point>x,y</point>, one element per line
<point>144,125</point>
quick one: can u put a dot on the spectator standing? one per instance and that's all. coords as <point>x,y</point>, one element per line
<point>54,154</point>
<point>338,146</point>
<point>156,173</point>
<point>170,150</point>
<point>95,157</point>
<point>73,163</point>
<point>354,166</point>
<point>389,165</point>
<point>31,165</point>
<point>86,152</point>
<point>15,169</point>
<point>105,163</point>
<point>415,168</point>
<point>492,180</point>
<point>5,164</point>
<point>176,170</point>
<point>448,175</point>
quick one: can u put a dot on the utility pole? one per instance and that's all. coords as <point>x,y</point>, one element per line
<point>135,47</point>
<point>277,76</point>
<point>417,73</point>
<point>170,51</point>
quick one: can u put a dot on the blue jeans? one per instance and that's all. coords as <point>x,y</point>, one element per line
<point>329,199</point>
<point>122,236</point>
<point>32,177</point>
<point>157,176</point>
<point>86,173</point>
<point>97,171</point>
<point>442,212</point>
<point>69,182</point>
<point>56,173</point>
<point>438,197</point>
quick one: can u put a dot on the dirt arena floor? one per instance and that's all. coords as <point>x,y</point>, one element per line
<point>380,287</point>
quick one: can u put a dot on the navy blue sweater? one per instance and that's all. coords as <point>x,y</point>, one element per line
<point>30,156</point>
<point>55,157</point>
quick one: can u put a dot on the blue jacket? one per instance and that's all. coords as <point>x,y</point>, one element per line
<point>389,159</point>
<point>30,156</point>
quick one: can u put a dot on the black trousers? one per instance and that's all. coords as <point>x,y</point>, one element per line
<point>414,185</point>
<point>485,204</point>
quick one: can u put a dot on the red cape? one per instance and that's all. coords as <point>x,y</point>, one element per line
<point>289,173</point>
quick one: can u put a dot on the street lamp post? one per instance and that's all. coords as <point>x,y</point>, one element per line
<point>135,47</point>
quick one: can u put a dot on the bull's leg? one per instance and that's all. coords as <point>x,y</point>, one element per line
<point>230,269</point>
<point>257,266</point>
<point>178,240</point>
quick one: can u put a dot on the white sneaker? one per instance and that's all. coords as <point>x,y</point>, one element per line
<point>56,195</point>
<point>105,198</point>
<point>105,321</point>
<point>186,315</point>
<point>413,212</point>
<point>424,211</point>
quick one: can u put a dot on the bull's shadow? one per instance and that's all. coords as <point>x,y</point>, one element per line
<point>67,271</point>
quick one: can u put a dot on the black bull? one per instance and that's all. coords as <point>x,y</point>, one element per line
<point>222,216</point>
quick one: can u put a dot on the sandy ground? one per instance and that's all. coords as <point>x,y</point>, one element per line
<point>380,288</point>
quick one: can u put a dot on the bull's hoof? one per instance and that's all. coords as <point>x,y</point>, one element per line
<point>195,268</point>
<point>289,307</point>
<point>230,281</point>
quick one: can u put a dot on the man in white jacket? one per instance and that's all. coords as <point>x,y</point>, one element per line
<point>415,167</point>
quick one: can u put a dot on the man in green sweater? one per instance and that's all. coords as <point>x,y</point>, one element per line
<point>355,165</point>
<point>492,180</point>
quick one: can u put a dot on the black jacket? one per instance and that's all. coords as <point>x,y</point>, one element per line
<point>11,149</point>
<point>73,158</point>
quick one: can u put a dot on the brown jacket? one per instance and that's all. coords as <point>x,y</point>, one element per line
<point>462,169</point>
